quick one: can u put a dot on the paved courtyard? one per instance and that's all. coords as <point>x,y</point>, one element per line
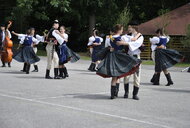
<point>82,100</point>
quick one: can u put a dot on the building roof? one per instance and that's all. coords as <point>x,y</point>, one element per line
<point>177,21</point>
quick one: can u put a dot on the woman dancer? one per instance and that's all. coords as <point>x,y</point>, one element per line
<point>116,63</point>
<point>164,58</point>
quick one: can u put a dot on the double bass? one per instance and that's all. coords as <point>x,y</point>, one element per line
<point>7,54</point>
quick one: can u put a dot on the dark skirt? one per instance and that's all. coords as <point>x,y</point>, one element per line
<point>26,55</point>
<point>72,56</point>
<point>118,64</point>
<point>62,53</point>
<point>66,54</point>
<point>166,58</point>
<point>94,55</point>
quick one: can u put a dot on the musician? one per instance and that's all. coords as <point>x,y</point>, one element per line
<point>3,33</point>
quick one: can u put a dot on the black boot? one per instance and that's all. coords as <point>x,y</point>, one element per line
<point>117,89</point>
<point>61,73</point>
<point>56,73</point>
<point>188,69</point>
<point>3,64</point>
<point>135,92</point>
<point>157,79</point>
<point>47,74</point>
<point>90,67</point>
<point>113,90</point>
<point>35,68</point>
<point>153,78</point>
<point>27,68</point>
<point>9,64</point>
<point>126,88</point>
<point>94,68</point>
<point>65,72</point>
<point>24,68</point>
<point>168,77</point>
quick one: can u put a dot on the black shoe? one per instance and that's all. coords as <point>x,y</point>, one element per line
<point>27,68</point>
<point>47,74</point>
<point>35,68</point>
<point>56,76</point>
<point>168,77</point>
<point>65,72</point>
<point>135,92</point>
<point>126,88</point>
<point>153,78</point>
<point>188,69</point>
<point>3,66</point>
<point>9,64</point>
<point>117,89</point>
<point>157,79</point>
<point>61,73</point>
<point>113,90</point>
<point>24,68</point>
<point>92,67</point>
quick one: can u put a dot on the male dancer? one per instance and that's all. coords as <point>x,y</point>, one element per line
<point>135,52</point>
<point>52,40</point>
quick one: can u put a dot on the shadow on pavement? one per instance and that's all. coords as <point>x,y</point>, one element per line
<point>172,90</point>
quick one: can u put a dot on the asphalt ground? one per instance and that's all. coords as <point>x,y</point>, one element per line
<point>82,100</point>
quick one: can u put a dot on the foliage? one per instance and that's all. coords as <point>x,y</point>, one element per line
<point>124,17</point>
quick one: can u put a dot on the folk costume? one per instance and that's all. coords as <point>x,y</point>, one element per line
<point>117,63</point>
<point>96,48</point>
<point>27,54</point>
<point>66,54</point>
<point>163,58</point>
<point>133,51</point>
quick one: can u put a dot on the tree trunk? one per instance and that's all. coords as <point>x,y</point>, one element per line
<point>92,21</point>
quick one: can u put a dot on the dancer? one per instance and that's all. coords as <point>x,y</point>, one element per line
<point>27,54</point>
<point>164,58</point>
<point>133,50</point>
<point>95,41</point>
<point>65,54</point>
<point>116,63</point>
<point>52,48</point>
<point>34,45</point>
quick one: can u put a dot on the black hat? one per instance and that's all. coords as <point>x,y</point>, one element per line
<point>56,21</point>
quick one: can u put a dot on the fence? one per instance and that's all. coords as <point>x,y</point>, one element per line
<point>174,43</point>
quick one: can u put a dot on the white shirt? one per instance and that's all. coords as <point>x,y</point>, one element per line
<point>92,39</point>
<point>156,40</point>
<point>107,41</point>
<point>65,36</point>
<point>60,39</point>
<point>3,35</point>
<point>33,39</point>
<point>133,45</point>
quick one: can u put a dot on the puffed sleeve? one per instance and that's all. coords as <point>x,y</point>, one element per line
<point>58,37</point>
<point>40,38</point>
<point>154,40</point>
<point>20,36</point>
<point>90,41</point>
<point>134,45</point>
<point>35,40</point>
